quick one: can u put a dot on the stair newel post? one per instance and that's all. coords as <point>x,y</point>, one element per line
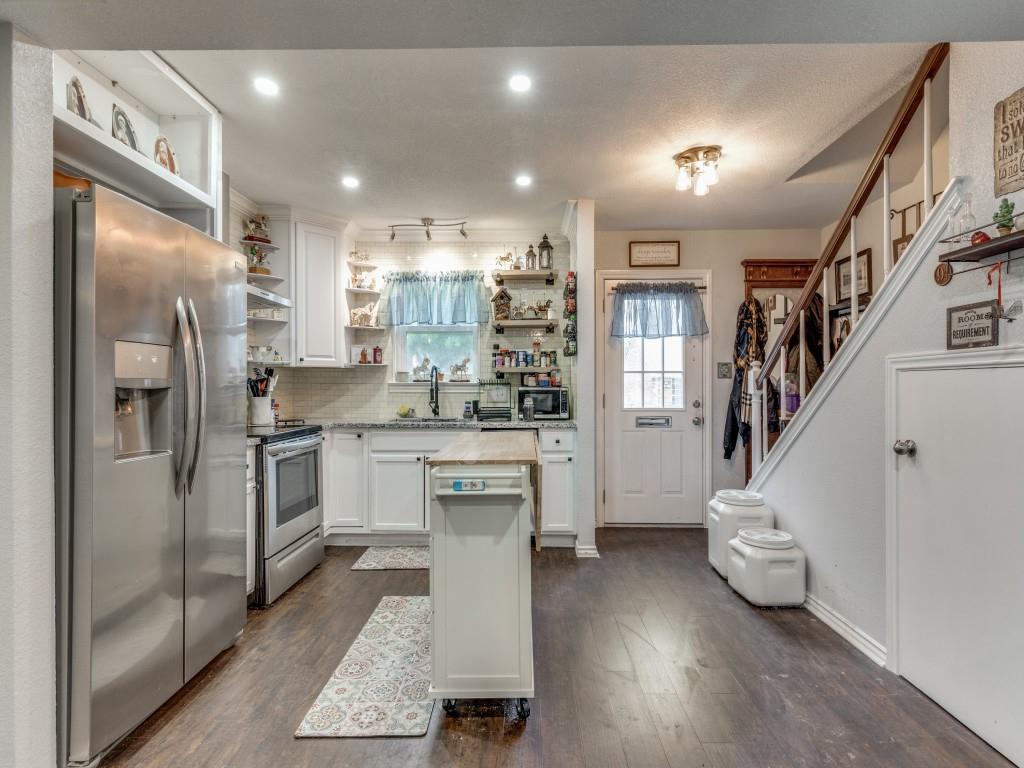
<point>826,346</point>
<point>886,217</point>
<point>854,287</point>
<point>803,357</point>
<point>756,413</point>
<point>926,105</point>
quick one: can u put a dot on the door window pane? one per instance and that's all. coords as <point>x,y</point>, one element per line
<point>632,355</point>
<point>673,390</point>
<point>652,390</point>
<point>674,353</point>
<point>632,393</point>
<point>652,355</point>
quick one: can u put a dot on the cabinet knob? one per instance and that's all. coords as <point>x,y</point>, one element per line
<point>417,458</point>
<point>558,441</point>
<point>359,435</point>
<point>302,359</point>
<point>570,458</point>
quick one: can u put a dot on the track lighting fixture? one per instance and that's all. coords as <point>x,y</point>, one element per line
<point>427,224</point>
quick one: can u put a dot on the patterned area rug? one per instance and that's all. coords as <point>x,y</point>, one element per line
<point>393,558</point>
<point>380,687</point>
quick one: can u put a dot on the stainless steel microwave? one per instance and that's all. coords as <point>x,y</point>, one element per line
<point>548,402</point>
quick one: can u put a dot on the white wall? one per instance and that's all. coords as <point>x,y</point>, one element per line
<point>27,671</point>
<point>828,490</point>
<point>721,252</point>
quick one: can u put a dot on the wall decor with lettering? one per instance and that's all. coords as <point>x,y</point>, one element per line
<point>972,325</point>
<point>654,253</point>
<point>1008,144</point>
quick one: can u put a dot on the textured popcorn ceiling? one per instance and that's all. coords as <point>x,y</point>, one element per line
<point>438,132</point>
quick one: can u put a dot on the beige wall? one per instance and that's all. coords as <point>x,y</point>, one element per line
<point>721,252</point>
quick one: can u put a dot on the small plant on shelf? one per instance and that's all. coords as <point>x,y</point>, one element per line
<point>1003,217</point>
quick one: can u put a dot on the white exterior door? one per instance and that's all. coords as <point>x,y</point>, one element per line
<point>318,297</point>
<point>397,492</point>
<point>956,527</point>
<point>654,422</point>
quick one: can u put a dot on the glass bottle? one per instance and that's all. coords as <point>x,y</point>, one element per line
<point>966,222</point>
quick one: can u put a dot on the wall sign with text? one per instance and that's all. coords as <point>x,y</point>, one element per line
<point>651,253</point>
<point>1008,144</point>
<point>972,325</point>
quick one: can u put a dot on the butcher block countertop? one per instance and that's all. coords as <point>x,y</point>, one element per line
<point>516,448</point>
<point>489,448</point>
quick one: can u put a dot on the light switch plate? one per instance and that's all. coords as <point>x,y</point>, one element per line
<point>725,370</point>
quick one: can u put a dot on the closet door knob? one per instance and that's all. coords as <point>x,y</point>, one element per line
<point>904,448</point>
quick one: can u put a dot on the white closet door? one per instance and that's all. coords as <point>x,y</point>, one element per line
<point>957,517</point>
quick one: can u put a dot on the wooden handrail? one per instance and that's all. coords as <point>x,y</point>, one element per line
<point>930,66</point>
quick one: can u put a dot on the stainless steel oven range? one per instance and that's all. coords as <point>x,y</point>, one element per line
<point>289,515</point>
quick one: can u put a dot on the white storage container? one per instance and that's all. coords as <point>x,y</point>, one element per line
<point>767,568</point>
<point>729,511</point>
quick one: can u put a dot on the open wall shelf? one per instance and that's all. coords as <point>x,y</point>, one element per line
<point>997,246</point>
<point>549,326</point>
<point>501,276</point>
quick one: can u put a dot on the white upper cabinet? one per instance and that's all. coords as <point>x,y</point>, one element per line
<point>319,300</point>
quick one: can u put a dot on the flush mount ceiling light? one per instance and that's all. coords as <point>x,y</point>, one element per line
<point>523,180</point>
<point>520,83</point>
<point>266,86</point>
<point>350,182</point>
<point>697,169</point>
<point>426,224</point>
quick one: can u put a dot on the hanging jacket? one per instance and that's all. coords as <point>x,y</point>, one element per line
<point>751,334</point>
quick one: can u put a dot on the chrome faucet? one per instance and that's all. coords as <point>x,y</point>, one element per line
<point>435,399</point>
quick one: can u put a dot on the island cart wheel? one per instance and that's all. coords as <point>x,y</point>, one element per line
<point>448,705</point>
<point>523,708</point>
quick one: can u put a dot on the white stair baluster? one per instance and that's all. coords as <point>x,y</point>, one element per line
<point>927,107</point>
<point>854,288</point>
<point>756,412</point>
<point>887,262</point>
<point>826,332</point>
<point>803,359</point>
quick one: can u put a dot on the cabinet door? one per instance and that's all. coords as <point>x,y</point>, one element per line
<point>558,483</point>
<point>396,492</point>
<point>318,301</point>
<point>345,481</point>
<point>250,536</point>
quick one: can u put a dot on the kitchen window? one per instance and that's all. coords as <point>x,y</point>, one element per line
<point>653,373</point>
<point>445,345</point>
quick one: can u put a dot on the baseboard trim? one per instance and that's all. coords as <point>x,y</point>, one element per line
<point>587,550</point>
<point>850,632</point>
<point>375,539</point>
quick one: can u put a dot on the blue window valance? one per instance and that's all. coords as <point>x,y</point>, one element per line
<point>650,310</point>
<point>434,298</point>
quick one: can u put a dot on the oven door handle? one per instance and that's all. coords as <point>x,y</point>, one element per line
<point>290,449</point>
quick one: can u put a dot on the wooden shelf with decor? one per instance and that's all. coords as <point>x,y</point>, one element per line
<point>997,246</point>
<point>549,326</point>
<point>501,276</point>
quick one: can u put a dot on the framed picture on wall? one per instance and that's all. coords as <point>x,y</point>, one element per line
<point>844,280</point>
<point>899,245</point>
<point>654,253</point>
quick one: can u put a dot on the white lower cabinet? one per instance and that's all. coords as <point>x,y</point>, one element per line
<point>344,480</point>
<point>558,493</point>
<point>250,520</point>
<point>397,499</point>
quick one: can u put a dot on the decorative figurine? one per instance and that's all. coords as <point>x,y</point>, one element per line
<point>460,371</point>
<point>1003,217</point>
<point>518,263</point>
<point>517,313</point>
<point>422,371</point>
<point>362,317</point>
<point>502,301</point>
<point>505,262</point>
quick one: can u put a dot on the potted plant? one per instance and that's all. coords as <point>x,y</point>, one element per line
<point>1003,217</point>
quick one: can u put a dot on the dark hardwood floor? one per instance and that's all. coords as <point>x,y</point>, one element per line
<point>644,657</point>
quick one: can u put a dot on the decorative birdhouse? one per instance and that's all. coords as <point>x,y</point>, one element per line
<point>502,301</point>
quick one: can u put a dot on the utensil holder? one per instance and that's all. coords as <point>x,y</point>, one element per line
<point>260,412</point>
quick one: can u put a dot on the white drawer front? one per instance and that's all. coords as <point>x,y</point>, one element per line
<point>557,440</point>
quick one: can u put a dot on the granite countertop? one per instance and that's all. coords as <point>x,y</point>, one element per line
<point>449,425</point>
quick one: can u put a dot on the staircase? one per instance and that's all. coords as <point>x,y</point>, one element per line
<point>824,476</point>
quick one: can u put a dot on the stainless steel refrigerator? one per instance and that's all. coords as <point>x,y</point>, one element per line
<point>150,440</point>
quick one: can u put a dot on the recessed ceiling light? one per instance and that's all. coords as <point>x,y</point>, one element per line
<point>266,86</point>
<point>523,180</point>
<point>520,83</point>
<point>350,182</point>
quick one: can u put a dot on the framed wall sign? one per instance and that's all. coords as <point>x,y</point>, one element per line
<point>654,253</point>
<point>1008,144</point>
<point>844,279</point>
<point>972,325</point>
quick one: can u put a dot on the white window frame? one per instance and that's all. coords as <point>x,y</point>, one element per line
<point>662,371</point>
<point>398,341</point>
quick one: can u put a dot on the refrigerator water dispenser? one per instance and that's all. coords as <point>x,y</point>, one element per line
<point>142,402</point>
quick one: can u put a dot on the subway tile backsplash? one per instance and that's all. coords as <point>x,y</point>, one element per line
<point>333,394</point>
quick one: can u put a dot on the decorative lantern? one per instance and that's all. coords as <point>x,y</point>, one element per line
<point>531,258</point>
<point>545,256</point>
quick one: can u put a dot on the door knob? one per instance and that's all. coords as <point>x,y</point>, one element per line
<point>697,421</point>
<point>904,448</point>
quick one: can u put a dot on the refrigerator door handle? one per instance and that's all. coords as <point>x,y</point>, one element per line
<point>201,368</point>
<point>191,384</point>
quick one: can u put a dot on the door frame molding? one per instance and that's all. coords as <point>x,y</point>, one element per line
<point>1010,356</point>
<point>703,275</point>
